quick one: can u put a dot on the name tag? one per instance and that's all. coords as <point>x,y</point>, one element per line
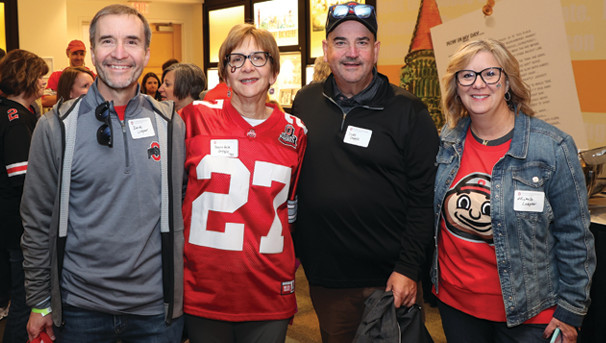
<point>141,128</point>
<point>357,136</point>
<point>224,147</point>
<point>528,201</point>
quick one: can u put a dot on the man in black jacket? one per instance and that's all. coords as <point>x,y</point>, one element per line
<point>366,187</point>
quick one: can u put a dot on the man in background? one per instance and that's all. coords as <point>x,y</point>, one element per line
<point>76,51</point>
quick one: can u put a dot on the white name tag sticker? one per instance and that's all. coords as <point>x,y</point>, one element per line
<point>357,136</point>
<point>224,147</point>
<point>141,128</point>
<point>528,201</point>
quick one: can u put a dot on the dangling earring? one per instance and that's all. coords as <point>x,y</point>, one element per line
<point>507,96</point>
<point>229,93</point>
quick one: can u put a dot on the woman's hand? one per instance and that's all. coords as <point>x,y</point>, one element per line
<point>568,333</point>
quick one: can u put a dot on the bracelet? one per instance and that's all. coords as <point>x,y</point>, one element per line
<point>42,311</point>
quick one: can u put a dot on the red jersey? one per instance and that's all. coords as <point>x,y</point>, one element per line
<point>239,256</point>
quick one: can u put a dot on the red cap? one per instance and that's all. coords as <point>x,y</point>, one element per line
<point>76,45</point>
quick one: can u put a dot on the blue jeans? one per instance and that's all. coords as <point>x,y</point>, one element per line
<point>18,315</point>
<point>96,327</point>
<point>460,327</point>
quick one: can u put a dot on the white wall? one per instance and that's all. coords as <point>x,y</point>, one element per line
<point>45,27</point>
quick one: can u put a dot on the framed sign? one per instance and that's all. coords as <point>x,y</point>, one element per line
<point>289,79</point>
<point>281,18</point>
<point>220,21</point>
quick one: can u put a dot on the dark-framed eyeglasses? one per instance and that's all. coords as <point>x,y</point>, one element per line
<point>490,76</point>
<point>342,10</point>
<point>257,58</point>
<point>105,131</point>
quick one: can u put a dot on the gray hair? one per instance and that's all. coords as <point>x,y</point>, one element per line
<point>118,9</point>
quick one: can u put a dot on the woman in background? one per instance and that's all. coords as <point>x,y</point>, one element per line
<point>74,81</point>
<point>183,83</point>
<point>514,250</point>
<point>21,82</point>
<point>150,84</point>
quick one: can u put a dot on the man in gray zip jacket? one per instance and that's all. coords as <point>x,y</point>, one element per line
<point>101,208</point>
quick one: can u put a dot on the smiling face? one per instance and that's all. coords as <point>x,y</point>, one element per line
<point>76,58</point>
<point>119,53</point>
<point>466,209</point>
<point>480,98</point>
<point>81,85</point>
<point>249,82</point>
<point>352,52</point>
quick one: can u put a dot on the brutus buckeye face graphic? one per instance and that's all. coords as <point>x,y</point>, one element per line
<point>466,209</point>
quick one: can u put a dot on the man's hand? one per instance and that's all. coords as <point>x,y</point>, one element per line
<point>568,333</point>
<point>404,289</point>
<point>38,323</point>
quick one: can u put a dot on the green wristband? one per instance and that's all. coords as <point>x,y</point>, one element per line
<point>42,311</point>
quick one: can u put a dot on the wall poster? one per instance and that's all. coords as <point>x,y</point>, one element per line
<point>537,38</point>
<point>281,18</point>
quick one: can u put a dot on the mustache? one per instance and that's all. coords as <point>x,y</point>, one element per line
<point>350,60</point>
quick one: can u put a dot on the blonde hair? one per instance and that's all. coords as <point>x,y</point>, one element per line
<point>520,92</point>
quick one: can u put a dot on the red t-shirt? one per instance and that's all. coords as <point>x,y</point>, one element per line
<point>469,280</point>
<point>239,256</point>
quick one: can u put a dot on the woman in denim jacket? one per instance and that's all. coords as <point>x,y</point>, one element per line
<point>515,255</point>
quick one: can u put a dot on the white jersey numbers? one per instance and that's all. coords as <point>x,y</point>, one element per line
<point>232,237</point>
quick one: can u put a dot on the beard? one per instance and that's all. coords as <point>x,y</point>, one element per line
<point>119,81</point>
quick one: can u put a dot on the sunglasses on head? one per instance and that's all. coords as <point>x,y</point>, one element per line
<point>342,10</point>
<point>104,132</point>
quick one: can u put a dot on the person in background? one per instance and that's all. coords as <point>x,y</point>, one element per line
<point>366,187</point>
<point>5,265</point>
<point>22,82</point>
<point>220,91</point>
<point>515,256</point>
<point>76,51</point>
<point>101,209</point>
<point>321,70</point>
<point>150,85</point>
<point>183,83</point>
<point>168,63</point>
<point>74,81</point>
<point>243,160</point>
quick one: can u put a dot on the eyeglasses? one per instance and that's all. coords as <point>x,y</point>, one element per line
<point>257,58</point>
<point>342,10</point>
<point>104,132</point>
<point>490,76</point>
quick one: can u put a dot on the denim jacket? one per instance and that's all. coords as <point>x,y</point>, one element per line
<point>543,258</point>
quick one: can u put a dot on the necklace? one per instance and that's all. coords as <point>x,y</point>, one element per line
<point>492,142</point>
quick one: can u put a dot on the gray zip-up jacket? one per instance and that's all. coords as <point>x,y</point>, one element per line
<point>48,212</point>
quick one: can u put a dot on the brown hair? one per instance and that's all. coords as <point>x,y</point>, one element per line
<point>144,81</point>
<point>67,79</point>
<point>189,80</point>
<point>20,71</point>
<point>264,39</point>
<point>520,92</point>
<point>118,9</point>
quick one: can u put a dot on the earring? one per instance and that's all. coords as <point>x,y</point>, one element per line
<point>507,96</point>
<point>229,93</point>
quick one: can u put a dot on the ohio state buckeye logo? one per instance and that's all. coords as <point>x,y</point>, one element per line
<point>288,137</point>
<point>154,151</point>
